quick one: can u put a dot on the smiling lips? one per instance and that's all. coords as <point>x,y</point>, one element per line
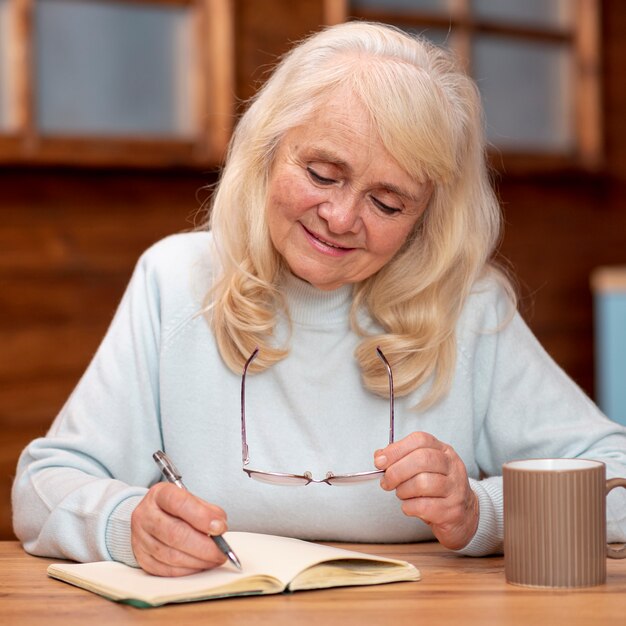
<point>326,247</point>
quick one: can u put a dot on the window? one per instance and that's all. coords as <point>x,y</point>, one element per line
<point>536,64</point>
<point>6,115</point>
<point>115,82</point>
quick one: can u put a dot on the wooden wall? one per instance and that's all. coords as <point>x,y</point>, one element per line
<point>69,240</point>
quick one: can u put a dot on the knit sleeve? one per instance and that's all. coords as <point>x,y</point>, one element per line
<point>529,408</point>
<point>76,487</point>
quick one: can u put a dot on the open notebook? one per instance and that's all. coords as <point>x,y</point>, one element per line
<point>270,564</point>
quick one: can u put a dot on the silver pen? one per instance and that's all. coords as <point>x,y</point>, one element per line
<point>168,469</point>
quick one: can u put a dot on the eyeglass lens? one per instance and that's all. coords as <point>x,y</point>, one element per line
<point>277,478</point>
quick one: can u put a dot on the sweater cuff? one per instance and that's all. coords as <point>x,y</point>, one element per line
<point>489,536</point>
<point>117,535</point>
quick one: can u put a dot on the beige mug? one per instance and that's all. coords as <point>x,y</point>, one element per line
<point>555,522</point>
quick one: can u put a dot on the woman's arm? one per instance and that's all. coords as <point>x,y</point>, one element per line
<point>77,488</point>
<point>525,407</point>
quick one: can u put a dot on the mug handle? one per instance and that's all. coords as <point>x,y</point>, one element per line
<point>615,553</point>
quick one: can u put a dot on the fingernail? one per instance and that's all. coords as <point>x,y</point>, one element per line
<point>380,461</point>
<point>216,527</point>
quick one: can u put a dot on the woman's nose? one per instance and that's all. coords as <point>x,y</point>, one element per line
<point>342,215</point>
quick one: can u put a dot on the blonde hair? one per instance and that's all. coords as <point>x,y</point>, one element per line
<point>428,114</point>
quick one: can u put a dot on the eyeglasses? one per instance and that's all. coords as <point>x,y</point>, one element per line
<point>278,478</point>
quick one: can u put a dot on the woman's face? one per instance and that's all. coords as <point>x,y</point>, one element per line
<point>339,205</point>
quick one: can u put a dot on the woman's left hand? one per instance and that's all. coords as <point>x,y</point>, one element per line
<point>430,479</point>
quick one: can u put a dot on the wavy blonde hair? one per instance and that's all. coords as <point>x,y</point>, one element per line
<point>429,117</point>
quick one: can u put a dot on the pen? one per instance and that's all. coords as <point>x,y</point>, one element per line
<point>168,469</point>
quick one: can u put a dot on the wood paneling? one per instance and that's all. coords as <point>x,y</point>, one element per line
<point>614,48</point>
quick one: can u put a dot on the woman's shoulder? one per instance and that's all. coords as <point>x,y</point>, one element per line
<point>178,253</point>
<point>178,267</point>
<point>178,249</point>
<point>491,302</point>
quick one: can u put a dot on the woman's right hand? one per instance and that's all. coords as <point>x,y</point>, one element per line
<point>171,532</point>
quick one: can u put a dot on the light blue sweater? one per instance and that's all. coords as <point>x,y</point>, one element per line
<point>158,382</point>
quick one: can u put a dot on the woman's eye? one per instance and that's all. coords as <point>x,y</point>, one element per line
<point>385,208</point>
<point>322,180</point>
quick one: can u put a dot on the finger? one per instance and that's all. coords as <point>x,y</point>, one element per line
<point>421,461</point>
<point>204,517</point>
<point>453,524</point>
<point>147,547</point>
<point>175,533</point>
<point>398,449</point>
<point>435,511</point>
<point>171,530</point>
<point>427,509</point>
<point>173,557</point>
<point>424,485</point>
<point>153,566</point>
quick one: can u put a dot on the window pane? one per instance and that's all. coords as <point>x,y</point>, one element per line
<point>525,89</point>
<point>6,113</point>
<point>406,6</point>
<point>110,68</point>
<point>545,13</point>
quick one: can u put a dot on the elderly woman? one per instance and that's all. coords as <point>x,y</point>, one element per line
<point>353,225</point>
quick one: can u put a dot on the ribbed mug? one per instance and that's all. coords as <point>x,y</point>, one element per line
<point>555,522</point>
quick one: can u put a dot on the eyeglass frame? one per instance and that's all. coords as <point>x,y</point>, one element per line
<point>307,478</point>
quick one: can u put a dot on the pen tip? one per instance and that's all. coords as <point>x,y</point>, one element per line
<point>235,561</point>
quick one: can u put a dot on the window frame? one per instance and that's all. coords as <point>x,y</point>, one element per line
<point>584,38</point>
<point>213,89</point>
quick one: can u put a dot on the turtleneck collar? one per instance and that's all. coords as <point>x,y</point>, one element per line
<point>309,305</point>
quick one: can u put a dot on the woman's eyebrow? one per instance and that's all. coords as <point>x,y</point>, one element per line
<point>322,154</point>
<point>401,192</point>
<point>328,156</point>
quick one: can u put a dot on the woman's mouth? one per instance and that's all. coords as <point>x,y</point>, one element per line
<point>323,245</point>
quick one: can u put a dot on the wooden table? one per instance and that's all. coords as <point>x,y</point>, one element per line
<point>459,591</point>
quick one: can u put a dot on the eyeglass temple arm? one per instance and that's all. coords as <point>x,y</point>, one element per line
<point>244,442</point>
<point>391,395</point>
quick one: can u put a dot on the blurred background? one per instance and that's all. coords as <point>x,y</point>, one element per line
<point>114,117</point>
